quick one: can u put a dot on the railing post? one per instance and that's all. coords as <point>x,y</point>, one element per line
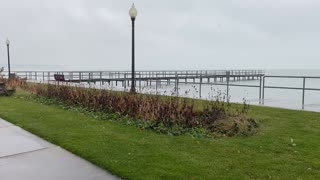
<point>100,79</point>
<point>303,91</point>
<point>125,81</point>
<point>156,83</point>
<point>263,88</point>
<point>186,80</point>
<point>176,83</point>
<point>200,87</point>
<point>228,76</point>
<point>140,82</point>
<point>89,78</point>
<point>260,89</point>
<point>71,75</point>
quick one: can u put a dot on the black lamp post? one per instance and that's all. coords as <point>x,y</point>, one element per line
<point>133,14</point>
<point>8,50</point>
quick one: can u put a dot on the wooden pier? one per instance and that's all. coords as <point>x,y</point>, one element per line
<point>157,78</point>
<point>146,78</point>
<point>149,77</point>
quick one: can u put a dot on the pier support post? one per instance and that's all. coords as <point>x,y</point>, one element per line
<point>89,78</point>
<point>200,87</point>
<point>128,83</point>
<point>260,89</point>
<point>263,88</point>
<point>303,91</point>
<point>176,84</point>
<point>228,78</point>
<point>139,82</point>
<point>125,82</point>
<point>156,83</point>
<point>100,78</point>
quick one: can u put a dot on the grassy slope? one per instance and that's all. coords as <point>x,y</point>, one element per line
<point>135,154</point>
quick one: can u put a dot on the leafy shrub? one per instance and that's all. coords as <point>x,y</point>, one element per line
<point>159,112</point>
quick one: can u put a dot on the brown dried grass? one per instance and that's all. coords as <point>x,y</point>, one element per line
<point>167,110</point>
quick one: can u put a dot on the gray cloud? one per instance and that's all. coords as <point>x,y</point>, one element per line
<point>95,34</point>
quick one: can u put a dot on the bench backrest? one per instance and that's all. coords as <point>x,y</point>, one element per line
<point>59,77</point>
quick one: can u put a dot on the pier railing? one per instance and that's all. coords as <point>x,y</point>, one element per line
<point>200,77</point>
<point>96,75</point>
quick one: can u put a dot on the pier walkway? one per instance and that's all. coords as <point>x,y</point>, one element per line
<point>146,76</point>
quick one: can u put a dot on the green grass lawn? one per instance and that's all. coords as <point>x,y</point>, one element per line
<point>132,153</point>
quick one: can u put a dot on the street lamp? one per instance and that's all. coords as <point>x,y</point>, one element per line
<point>8,44</point>
<point>133,14</point>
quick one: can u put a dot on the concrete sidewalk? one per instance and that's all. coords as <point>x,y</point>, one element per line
<point>24,156</point>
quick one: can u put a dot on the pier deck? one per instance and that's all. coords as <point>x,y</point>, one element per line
<point>147,76</point>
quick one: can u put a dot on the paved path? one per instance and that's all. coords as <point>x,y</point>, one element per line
<point>24,156</point>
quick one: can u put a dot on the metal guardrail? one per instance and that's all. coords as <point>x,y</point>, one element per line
<point>303,88</point>
<point>262,86</point>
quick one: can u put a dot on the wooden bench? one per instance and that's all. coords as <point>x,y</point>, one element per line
<point>59,77</point>
<point>3,90</point>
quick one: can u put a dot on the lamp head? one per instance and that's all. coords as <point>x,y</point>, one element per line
<point>8,42</point>
<point>133,12</point>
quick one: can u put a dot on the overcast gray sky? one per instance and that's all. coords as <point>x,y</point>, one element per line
<point>188,34</point>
